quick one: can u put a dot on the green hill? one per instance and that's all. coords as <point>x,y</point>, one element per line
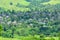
<point>29,19</point>
<point>23,5</point>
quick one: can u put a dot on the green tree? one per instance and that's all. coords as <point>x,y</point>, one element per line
<point>0,29</point>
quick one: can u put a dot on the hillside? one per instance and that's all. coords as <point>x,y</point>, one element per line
<point>30,19</point>
<point>24,5</point>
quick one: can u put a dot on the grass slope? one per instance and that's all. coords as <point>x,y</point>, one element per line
<point>52,2</point>
<point>6,4</point>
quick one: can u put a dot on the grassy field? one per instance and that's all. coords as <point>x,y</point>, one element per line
<point>1,38</point>
<point>21,38</point>
<point>30,38</point>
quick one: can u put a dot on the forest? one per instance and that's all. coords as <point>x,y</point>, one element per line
<point>30,20</point>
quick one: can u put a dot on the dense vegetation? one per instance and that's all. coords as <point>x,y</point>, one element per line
<point>30,20</point>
